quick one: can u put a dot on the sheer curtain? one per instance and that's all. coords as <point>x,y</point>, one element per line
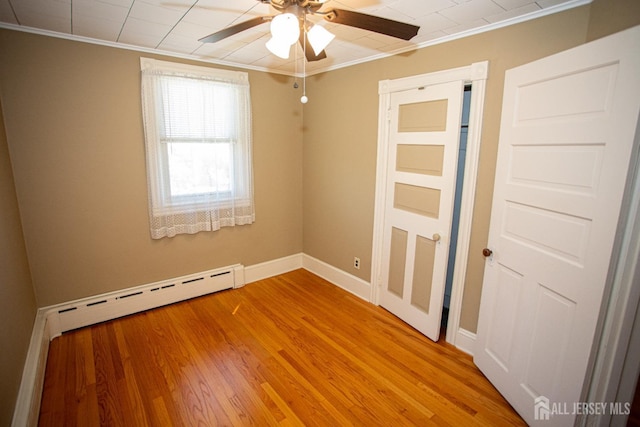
<point>197,124</point>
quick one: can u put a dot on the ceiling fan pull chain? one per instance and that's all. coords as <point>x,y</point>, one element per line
<point>304,98</point>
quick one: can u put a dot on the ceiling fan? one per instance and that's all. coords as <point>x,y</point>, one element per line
<point>295,11</point>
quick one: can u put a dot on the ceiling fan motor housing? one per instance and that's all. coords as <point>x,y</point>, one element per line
<point>296,7</point>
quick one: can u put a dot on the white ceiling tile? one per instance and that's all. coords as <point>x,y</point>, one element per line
<point>429,36</point>
<point>215,20</point>
<point>433,22</point>
<point>138,39</point>
<point>272,62</point>
<point>96,28</point>
<point>254,34</point>
<point>247,56</point>
<point>53,15</point>
<point>312,67</point>
<point>345,49</point>
<point>513,4</point>
<point>150,34</point>
<point>6,12</point>
<point>345,32</point>
<point>352,4</point>
<point>100,10</point>
<point>123,3</point>
<point>372,42</point>
<point>416,9</point>
<point>180,5</point>
<point>211,50</point>
<point>230,44</point>
<point>193,31</point>
<point>236,6</point>
<point>384,39</point>
<point>513,13</point>
<point>471,11</point>
<point>134,25</point>
<point>549,3</point>
<point>153,13</point>
<point>466,26</point>
<point>179,43</point>
<point>58,8</point>
<point>46,22</point>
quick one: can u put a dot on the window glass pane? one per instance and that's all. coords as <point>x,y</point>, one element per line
<point>199,169</point>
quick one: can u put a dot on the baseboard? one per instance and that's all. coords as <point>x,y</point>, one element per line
<point>272,268</point>
<point>465,341</point>
<point>27,409</point>
<point>338,277</point>
<point>100,308</point>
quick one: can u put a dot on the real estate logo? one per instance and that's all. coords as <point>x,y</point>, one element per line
<point>541,408</point>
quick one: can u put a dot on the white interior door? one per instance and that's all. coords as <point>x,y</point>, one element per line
<point>566,138</point>
<point>424,135</point>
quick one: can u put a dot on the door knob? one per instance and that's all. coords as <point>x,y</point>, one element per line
<point>436,237</point>
<point>486,252</point>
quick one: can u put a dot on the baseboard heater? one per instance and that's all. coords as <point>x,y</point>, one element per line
<point>88,311</point>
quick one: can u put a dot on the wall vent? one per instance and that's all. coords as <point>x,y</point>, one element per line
<point>88,311</point>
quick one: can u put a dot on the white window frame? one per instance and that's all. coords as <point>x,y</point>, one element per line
<point>161,202</point>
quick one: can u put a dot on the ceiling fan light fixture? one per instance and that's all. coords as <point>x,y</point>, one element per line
<point>319,38</point>
<point>285,28</point>
<point>278,47</point>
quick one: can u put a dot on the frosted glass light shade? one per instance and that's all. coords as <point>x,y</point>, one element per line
<point>278,47</point>
<point>319,38</point>
<point>285,28</point>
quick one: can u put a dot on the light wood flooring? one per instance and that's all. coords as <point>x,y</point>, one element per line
<point>289,350</point>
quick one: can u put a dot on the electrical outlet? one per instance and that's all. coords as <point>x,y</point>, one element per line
<point>356,263</point>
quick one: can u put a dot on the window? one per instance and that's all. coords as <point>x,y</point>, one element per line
<point>197,124</point>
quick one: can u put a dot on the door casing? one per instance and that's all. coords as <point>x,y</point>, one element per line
<point>476,75</point>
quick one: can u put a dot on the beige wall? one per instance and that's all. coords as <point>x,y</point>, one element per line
<point>340,149</point>
<point>610,16</point>
<point>74,130</point>
<point>17,301</point>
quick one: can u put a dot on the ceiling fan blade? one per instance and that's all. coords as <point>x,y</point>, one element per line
<point>372,23</point>
<point>308,50</point>
<point>235,29</point>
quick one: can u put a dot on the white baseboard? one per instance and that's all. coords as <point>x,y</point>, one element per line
<point>272,268</point>
<point>27,409</point>
<point>100,308</point>
<point>465,341</point>
<point>340,278</point>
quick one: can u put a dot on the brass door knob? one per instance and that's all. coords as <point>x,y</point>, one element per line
<point>487,252</point>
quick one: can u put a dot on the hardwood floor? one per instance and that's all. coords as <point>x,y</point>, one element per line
<point>290,350</point>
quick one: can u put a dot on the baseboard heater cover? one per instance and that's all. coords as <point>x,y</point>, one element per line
<point>88,311</point>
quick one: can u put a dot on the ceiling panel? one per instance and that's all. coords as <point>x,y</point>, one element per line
<point>6,13</point>
<point>175,26</point>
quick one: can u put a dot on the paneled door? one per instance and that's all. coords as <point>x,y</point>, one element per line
<point>424,133</point>
<point>566,140</point>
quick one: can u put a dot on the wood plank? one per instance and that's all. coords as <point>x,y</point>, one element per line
<point>288,350</point>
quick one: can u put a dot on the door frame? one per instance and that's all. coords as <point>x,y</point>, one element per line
<point>476,75</point>
<point>615,365</point>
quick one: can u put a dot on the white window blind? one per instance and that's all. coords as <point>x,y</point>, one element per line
<point>197,123</point>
